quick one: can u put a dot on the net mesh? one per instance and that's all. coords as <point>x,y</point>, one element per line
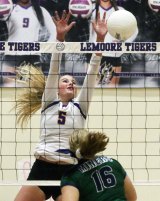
<point>130,116</point>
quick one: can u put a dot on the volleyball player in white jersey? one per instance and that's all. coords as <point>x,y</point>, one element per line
<point>24,25</point>
<point>59,116</point>
<point>26,20</point>
<point>108,6</point>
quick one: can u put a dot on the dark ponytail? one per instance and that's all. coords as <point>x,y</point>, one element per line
<point>114,4</point>
<point>38,10</point>
<point>97,7</point>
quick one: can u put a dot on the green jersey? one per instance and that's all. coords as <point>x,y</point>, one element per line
<point>100,179</point>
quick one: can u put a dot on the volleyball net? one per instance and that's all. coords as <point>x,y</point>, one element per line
<point>128,112</point>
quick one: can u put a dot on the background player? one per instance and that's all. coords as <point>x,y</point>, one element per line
<point>27,23</point>
<point>110,61</point>
<point>95,178</point>
<point>141,63</point>
<point>59,116</point>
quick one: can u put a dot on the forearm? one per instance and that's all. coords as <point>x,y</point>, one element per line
<point>50,92</point>
<point>99,40</point>
<point>89,83</point>
<point>100,27</point>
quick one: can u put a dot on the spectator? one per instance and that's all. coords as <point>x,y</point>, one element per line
<point>25,25</point>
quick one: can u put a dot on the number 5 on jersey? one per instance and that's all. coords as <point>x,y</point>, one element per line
<point>61,117</point>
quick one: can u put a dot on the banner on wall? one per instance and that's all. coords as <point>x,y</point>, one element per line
<point>19,48</point>
<point>132,64</point>
<point>139,67</point>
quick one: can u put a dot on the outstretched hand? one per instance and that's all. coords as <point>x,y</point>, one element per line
<point>100,27</point>
<point>62,25</point>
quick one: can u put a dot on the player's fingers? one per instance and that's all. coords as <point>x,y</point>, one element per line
<point>98,17</point>
<point>68,16</point>
<point>104,17</point>
<point>54,20</point>
<point>56,16</point>
<point>64,15</point>
<point>71,25</point>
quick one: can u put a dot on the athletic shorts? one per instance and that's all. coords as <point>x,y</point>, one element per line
<point>42,170</point>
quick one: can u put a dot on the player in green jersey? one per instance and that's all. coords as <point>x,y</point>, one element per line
<point>95,178</point>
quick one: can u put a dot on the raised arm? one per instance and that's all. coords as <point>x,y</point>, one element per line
<point>85,94</point>
<point>50,91</point>
<point>51,87</point>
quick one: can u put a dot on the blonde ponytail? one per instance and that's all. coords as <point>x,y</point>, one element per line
<point>87,144</point>
<point>29,101</point>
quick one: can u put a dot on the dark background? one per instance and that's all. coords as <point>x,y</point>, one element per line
<point>149,31</point>
<point>148,20</point>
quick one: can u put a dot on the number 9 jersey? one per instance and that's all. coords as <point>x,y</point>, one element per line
<point>24,26</point>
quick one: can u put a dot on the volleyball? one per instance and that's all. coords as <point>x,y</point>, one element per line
<point>6,7</point>
<point>122,24</point>
<point>80,8</point>
<point>154,5</point>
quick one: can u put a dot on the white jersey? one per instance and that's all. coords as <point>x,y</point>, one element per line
<point>59,121</point>
<point>23,25</point>
<point>108,37</point>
